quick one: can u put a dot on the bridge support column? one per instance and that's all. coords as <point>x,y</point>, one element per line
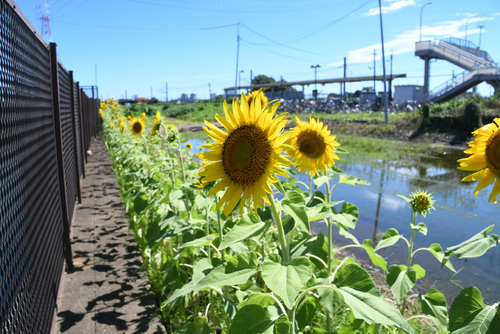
<point>427,70</point>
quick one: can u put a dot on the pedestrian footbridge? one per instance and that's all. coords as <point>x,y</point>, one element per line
<point>478,65</point>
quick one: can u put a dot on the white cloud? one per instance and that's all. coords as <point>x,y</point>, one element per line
<point>405,42</point>
<point>394,5</point>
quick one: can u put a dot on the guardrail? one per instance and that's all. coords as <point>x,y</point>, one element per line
<point>46,122</point>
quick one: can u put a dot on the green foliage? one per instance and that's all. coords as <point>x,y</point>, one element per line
<point>472,116</point>
<point>265,272</point>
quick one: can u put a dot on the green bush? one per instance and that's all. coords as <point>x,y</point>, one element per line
<point>472,116</point>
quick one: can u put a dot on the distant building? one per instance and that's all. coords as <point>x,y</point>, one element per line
<point>407,93</point>
<point>192,97</point>
<point>367,99</point>
<point>141,100</point>
<point>184,98</point>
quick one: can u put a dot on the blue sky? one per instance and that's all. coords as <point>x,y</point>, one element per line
<point>138,46</point>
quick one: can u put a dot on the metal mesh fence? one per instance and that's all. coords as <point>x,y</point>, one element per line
<point>39,181</point>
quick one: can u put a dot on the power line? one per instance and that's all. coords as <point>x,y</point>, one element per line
<point>326,26</point>
<point>271,51</point>
<point>278,43</point>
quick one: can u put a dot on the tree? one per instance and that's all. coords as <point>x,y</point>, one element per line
<point>264,79</point>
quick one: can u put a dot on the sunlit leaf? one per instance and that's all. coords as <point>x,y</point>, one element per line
<point>401,279</point>
<point>391,236</point>
<point>475,246</point>
<point>365,301</point>
<point>348,216</point>
<point>433,304</point>
<point>469,314</point>
<point>376,259</point>
<point>286,280</point>
<point>294,204</point>
<point>248,227</point>
<point>420,227</point>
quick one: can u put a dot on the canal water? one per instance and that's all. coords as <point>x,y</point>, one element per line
<point>458,216</point>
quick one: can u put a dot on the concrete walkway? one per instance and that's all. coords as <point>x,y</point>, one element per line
<point>107,292</point>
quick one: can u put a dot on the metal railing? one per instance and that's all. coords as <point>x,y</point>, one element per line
<point>46,122</point>
<point>454,54</point>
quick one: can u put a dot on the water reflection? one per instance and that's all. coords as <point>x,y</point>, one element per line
<point>458,216</point>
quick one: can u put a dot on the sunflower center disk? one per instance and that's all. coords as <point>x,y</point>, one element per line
<point>246,153</point>
<point>493,153</point>
<point>137,127</point>
<point>311,144</point>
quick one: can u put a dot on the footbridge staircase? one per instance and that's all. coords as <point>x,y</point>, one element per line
<point>478,65</point>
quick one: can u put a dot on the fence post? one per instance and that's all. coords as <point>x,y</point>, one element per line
<point>56,112</point>
<point>82,128</point>
<point>75,144</point>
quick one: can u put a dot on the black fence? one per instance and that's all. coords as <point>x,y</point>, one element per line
<point>46,123</point>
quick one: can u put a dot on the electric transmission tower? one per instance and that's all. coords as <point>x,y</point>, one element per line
<point>44,12</point>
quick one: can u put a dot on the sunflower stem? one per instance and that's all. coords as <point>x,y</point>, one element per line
<point>410,255</point>
<point>330,250</point>
<point>181,160</point>
<point>281,233</point>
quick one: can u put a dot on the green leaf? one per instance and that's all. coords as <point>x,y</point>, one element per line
<point>352,180</point>
<point>295,207</point>
<point>320,180</point>
<point>280,188</point>
<point>438,253</point>
<point>475,246</point>
<point>200,242</point>
<point>305,311</point>
<point>376,259</point>
<point>365,301</point>
<point>304,244</point>
<point>469,314</point>
<point>391,236</point>
<point>251,319</point>
<point>286,280</point>
<point>420,227</point>
<point>248,227</point>
<point>401,280</point>
<point>331,300</point>
<point>348,216</point>
<point>346,234</point>
<point>261,299</point>
<point>237,270</point>
<point>282,325</point>
<point>433,304</point>
<point>140,202</point>
<point>419,270</point>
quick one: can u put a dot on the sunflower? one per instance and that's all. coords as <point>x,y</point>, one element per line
<point>421,202</point>
<point>263,98</point>
<point>156,124</point>
<point>122,123</point>
<point>189,145</point>
<point>312,148</point>
<point>111,126</point>
<point>137,126</point>
<point>245,157</point>
<point>485,159</point>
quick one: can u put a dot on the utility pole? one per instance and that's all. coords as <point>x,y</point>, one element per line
<point>374,72</point>
<point>315,92</point>
<point>151,92</point>
<point>345,75</point>
<point>251,83</point>
<point>166,92</point>
<point>237,58</point>
<point>125,94</point>
<point>383,63</point>
<point>209,92</point>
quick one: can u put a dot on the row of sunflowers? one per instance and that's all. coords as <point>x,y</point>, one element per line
<point>226,234</point>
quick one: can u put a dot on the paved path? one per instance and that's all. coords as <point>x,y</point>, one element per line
<point>107,292</point>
